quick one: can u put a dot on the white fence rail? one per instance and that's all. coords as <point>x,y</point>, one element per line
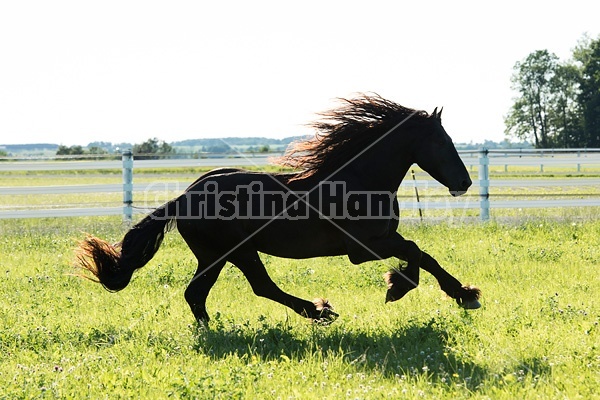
<point>572,159</point>
<point>71,165</point>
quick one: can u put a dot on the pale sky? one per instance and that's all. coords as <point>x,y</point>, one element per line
<point>73,72</point>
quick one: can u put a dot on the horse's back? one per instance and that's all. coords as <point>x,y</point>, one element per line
<point>233,206</point>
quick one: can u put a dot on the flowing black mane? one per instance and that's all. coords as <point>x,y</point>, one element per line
<point>344,131</point>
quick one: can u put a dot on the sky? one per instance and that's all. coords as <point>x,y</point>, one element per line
<point>74,72</point>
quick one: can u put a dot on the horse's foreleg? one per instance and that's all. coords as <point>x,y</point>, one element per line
<point>262,285</point>
<point>399,280</point>
<point>402,280</point>
<point>466,296</point>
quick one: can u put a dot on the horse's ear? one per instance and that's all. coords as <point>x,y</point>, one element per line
<point>434,113</point>
<point>439,115</point>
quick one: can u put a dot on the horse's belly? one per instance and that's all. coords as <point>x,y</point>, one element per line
<point>299,239</point>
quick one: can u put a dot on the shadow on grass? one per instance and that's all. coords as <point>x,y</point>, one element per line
<point>417,350</point>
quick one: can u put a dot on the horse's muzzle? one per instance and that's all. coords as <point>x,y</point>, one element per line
<point>462,188</point>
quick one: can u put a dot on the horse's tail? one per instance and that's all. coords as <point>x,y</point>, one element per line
<point>113,265</point>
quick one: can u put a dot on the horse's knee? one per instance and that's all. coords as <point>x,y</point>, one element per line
<point>411,253</point>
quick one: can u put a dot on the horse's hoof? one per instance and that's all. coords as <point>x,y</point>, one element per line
<point>325,315</point>
<point>469,305</point>
<point>398,285</point>
<point>396,293</point>
<point>201,324</point>
<point>468,297</point>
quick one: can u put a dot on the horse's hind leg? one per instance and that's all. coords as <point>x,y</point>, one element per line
<point>262,285</point>
<point>210,264</point>
<point>198,289</point>
<point>466,296</point>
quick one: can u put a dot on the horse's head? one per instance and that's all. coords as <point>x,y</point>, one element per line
<point>437,155</point>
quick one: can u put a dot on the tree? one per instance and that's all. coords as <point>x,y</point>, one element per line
<point>547,110</point>
<point>154,148</point>
<point>100,147</point>
<point>63,150</point>
<point>528,117</point>
<point>97,150</point>
<point>565,116</point>
<point>73,150</point>
<point>76,150</point>
<point>588,54</point>
<point>558,102</point>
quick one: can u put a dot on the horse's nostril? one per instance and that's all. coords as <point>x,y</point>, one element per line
<point>466,183</point>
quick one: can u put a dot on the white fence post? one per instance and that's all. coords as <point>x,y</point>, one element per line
<point>127,185</point>
<point>484,184</point>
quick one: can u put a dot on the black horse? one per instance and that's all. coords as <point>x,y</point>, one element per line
<point>342,201</point>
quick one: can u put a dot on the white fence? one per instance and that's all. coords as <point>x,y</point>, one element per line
<point>574,160</point>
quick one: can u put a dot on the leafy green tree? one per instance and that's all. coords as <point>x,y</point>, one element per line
<point>100,147</point>
<point>97,150</point>
<point>76,150</point>
<point>150,146</point>
<point>63,150</point>
<point>153,148</point>
<point>528,117</point>
<point>565,113</point>
<point>66,151</point>
<point>547,110</point>
<point>588,54</point>
<point>166,148</point>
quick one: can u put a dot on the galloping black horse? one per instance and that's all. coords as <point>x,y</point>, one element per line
<point>342,201</point>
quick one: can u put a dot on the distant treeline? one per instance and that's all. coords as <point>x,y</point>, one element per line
<point>210,145</point>
<point>489,144</point>
<point>192,146</point>
<point>236,141</point>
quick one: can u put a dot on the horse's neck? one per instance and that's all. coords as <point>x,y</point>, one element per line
<point>380,168</point>
<point>384,167</point>
<point>382,177</point>
<point>393,158</point>
<point>374,176</point>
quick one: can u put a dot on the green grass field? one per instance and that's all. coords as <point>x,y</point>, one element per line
<point>536,335</point>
